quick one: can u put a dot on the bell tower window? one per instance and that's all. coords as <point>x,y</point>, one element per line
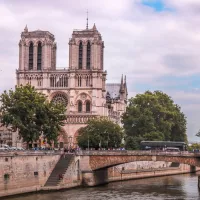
<point>30,56</point>
<point>80,61</point>
<point>87,106</point>
<point>80,105</point>
<point>39,56</point>
<point>88,55</point>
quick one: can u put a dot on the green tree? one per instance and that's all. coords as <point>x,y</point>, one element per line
<point>100,132</point>
<point>133,143</point>
<point>154,116</point>
<point>198,133</point>
<point>29,112</point>
<point>194,146</point>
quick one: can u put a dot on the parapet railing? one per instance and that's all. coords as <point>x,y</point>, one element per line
<point>30,153</point>
<point>98,153</point>
<point>137,153</point>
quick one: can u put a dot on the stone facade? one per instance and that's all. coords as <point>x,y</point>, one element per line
<point>81,87</point>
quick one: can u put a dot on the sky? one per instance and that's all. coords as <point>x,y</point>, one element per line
<point>155,43</point>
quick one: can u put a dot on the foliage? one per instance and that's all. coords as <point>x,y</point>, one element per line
<point>100,133</point>
<point>154,116</point>
<point>198,133</point>
<point>194,146</point>
<point>29,112</point>
<point>133,143</point>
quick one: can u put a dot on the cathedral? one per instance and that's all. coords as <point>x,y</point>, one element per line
<point>81,86</point>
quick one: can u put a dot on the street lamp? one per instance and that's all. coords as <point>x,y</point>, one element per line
<point>70,141</point>
<point>88,143</point>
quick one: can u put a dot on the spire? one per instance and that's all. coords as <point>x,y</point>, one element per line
<point>122,85</point>
<point>26,29</point>
<point>125,83</point>
<point>94,27</point>
<point>122,80</point>
<point>125,87</point>
<point>87,21</point>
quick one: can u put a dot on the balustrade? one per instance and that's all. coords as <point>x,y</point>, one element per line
<point>78,119</point>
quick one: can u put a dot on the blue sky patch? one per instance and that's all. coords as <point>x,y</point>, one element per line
<point>157,5</point>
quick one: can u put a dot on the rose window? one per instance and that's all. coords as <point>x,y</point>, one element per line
<point>60,99</point>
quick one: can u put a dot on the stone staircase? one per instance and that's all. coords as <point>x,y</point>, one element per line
<point>59,169</point>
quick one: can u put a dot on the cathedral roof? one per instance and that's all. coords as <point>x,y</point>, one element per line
<point>88,32</point>
<point>112,90</point>
<point>37,34</point>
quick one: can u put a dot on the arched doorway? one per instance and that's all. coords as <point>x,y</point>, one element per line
<point>62,140</point>
<point>75,141</point>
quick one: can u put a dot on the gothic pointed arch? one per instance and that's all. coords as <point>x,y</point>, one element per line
<point>88,61</point>
<point>39,56</point>
<point>75,138</point>
<point>80,61</point>
<point>80,106</point>
<point>88,106</point>
<point>62,140</point>
<point>30,61</point>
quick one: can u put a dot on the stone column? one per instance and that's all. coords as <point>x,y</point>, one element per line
<point>91,56</point>
<point>20,56</point>
<point>50,56</point>
<point>94,55</point>
<point>46,81</point>
<point>98,54</point>
<point>70,55</point>
<point>74,56</point>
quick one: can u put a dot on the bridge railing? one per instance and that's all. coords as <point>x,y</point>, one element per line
<point>128,152</point>
<point>29,153</point>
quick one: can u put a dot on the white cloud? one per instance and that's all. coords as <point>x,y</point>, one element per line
<point>144,44</point>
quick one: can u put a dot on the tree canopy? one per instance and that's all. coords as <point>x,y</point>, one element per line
<point>194,146</point>
<point>29,112</point>
<point>154,116</point>
<point>100,133</point>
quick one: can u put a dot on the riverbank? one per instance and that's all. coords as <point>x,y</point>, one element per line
<point>166,187</point>
<point>116,175</point>
<point>21,174</point>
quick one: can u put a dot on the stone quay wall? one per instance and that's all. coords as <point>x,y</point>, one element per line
<point>25,172</point>
<point>145,169</point>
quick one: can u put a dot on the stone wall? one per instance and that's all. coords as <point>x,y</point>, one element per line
<point>24,173</point>
<point>144,169</point>
<point>73,174</point>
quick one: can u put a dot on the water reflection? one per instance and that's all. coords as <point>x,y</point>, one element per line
<point>181,187</point>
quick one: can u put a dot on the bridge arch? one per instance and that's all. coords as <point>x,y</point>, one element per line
<point>97,162</point>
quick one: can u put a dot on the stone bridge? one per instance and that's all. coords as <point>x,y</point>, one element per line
<point>94,164</point>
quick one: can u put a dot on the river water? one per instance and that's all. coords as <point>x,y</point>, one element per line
<point>179,187</point>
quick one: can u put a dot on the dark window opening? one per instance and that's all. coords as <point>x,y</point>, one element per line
<point>80,61</point>
<point>39,56</point>
<point>6,176</point>
<point>35,173</point>
<point>31,56</point>
<point>88,55</point>
<point>80,106</point>
<point>87,106</point>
